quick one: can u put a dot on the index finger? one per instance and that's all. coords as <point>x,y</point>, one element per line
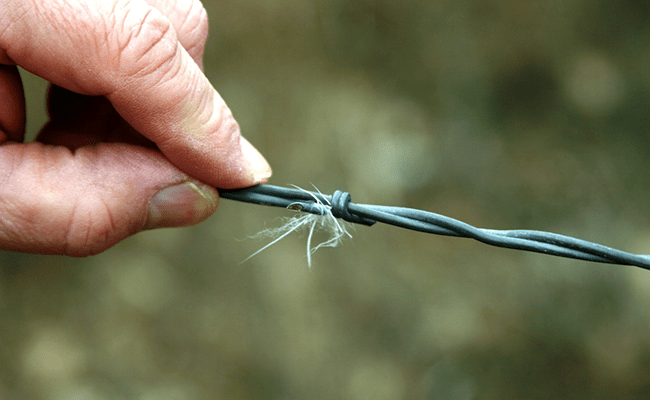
<point>129,52</point>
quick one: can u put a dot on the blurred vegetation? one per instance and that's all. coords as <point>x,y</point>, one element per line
<point>504,114</point>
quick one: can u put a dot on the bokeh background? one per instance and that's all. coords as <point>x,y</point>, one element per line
<point>505,114</point>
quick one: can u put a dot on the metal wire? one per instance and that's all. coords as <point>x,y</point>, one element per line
<point>428,222</point>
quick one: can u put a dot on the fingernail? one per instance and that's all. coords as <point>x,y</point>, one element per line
<point>257,165</point>
<point>181,205</point>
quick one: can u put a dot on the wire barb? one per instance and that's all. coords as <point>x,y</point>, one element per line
<point>321,217</point>
<point>339,205</point>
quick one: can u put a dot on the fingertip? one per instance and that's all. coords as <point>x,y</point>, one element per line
<point>184,204</point>
<point>259,170</point>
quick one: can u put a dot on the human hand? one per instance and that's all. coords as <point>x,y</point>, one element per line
<point>137,136</point>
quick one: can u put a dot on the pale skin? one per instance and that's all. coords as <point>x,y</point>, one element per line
<point>137,138</point>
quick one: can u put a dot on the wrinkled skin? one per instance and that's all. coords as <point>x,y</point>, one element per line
<point>131,113</point>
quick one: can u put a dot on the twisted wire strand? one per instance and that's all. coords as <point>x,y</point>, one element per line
<point>429,222</point>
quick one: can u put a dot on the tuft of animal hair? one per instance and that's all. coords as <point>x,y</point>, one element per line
<point>325,222</point>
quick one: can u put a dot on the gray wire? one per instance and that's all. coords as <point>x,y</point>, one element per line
<point>428,222</point>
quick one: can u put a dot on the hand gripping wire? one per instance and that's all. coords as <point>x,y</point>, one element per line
<point>340,206</point>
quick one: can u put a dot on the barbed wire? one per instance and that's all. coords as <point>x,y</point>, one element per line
<point>342,207</point>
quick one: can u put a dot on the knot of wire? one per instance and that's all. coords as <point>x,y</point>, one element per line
<point>339,205</point>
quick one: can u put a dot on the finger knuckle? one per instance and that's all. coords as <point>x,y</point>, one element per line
<point>90,230</point>
<point>194,29</point>
<point>146,41</point>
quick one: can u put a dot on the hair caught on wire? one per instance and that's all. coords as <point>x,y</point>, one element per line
<point>324,221</point>
<point>339,205</point>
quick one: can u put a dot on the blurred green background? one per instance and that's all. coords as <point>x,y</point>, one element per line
<point>504,114</point>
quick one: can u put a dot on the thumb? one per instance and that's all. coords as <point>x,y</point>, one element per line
<point>53,201</point>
